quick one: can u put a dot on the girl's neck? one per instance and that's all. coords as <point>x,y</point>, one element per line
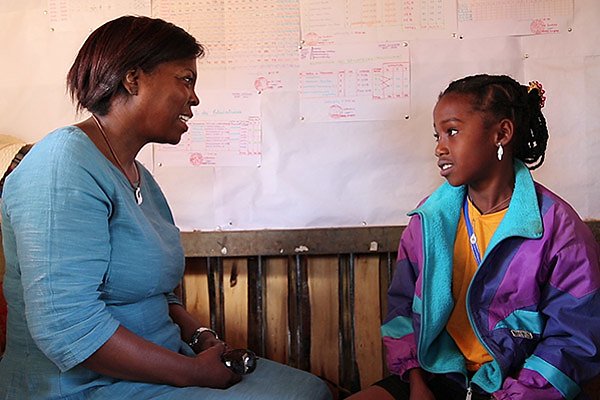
<point>493,197</point>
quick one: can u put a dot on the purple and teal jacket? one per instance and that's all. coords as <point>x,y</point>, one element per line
<point>534,302</point>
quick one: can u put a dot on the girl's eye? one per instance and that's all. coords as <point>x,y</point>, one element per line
<point>436,137</point>
<point>452,131</point>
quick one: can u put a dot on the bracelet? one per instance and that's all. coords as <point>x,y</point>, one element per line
<point>196,336</point>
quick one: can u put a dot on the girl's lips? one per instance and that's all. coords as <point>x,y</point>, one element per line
<point>445,168</point>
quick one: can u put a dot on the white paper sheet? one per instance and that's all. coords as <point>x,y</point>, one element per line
<point>376,20</point>
<point>251,44</point>
<point>73,15</point>
<point>225,131</point>
<point>343,82</point>
<point>481,18</point>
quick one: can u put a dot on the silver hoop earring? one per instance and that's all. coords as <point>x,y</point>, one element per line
<point>500,151</point>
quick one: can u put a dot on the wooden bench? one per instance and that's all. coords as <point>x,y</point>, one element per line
<point>311,298</point>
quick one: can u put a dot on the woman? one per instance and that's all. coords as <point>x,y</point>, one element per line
<point>497,283</point>
<point>93,256</point>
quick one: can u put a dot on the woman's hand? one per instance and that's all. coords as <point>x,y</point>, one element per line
<point>206,341</point>
<point>210,370</point>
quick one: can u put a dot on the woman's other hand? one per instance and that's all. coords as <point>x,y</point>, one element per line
<point>210,370</point>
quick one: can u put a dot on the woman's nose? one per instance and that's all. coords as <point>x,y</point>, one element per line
<point>194,100</point>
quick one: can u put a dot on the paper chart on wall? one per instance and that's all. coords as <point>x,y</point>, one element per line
<point>376,20</point>
<point>225,131</point>
<point>251,44</point>
<point>344,82</point>
<point>74,15</point>
<point>487,18</point>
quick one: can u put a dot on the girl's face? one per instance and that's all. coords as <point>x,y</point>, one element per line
<point>465,147</point>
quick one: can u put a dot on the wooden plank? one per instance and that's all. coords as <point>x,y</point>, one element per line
<point>215,294</point>
<point>256,305</point>
<point>367,320</point>
<point>283,242</point>
<point>276,310</point>
<point>387,263</point>
<point>196,289</point>
<point>298,313</point>
<point>348,368</point>
<point>291,241</point>
<point>235,293</point>
<point>324,328</point>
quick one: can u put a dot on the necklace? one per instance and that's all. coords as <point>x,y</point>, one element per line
<point>500,206</point>
<point>137,191</point>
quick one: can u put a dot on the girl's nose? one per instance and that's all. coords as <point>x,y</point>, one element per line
<point>440,149</point>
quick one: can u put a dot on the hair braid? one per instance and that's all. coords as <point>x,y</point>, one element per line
<point>500,96</point>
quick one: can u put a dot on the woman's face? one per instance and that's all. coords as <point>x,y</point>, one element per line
<point>166,96</point>
<point>465,146</point>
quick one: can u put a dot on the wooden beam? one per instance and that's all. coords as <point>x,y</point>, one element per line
<point>291,242</point>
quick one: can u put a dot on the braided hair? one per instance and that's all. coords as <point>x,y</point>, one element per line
<point>499,97</point>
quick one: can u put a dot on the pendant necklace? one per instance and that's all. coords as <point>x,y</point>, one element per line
<point>137,191</point>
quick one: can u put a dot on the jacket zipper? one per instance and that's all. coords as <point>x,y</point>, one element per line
<point>469,391</point>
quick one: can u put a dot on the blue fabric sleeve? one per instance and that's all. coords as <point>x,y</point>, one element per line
<point>60,220</point>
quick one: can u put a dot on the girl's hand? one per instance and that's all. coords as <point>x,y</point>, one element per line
<point>209,370</point>
<point>418,386</point>
<point>421,393</point>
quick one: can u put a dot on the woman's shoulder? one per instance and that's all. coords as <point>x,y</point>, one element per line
<point>65,145</point>
<point>66,136</point>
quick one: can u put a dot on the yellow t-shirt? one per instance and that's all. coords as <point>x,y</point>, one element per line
<point>463,270</point>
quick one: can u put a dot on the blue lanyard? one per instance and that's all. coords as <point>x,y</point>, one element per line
<point>472,237</point>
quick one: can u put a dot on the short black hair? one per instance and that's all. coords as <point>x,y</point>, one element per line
<point>119,46</point>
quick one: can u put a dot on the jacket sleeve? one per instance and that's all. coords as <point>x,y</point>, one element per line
<point>399,337</point>
<point>568,353</point>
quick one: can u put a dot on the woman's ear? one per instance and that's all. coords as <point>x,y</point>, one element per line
<point>505,133</point>
<point>130,81</point>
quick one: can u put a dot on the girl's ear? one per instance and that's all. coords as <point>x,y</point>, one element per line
<point>130,81</point>
<point>505,133</point>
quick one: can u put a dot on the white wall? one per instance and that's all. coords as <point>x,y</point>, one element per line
<point>328,174</point>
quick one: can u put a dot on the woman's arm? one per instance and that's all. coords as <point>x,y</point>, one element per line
<point>188,325</point>
<point>127,356</point>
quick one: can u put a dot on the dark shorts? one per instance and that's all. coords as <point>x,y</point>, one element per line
<point>442,387</point>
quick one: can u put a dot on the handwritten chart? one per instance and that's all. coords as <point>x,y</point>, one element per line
<point>69,15</point>
<point>258,39</point>
<point>482,18</point>
<point>225,131</point>
<point>377,20</point>
<point>335,86</point>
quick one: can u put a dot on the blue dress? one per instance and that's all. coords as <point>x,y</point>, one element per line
<point>82,258</point>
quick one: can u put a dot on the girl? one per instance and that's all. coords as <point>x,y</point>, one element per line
<point>497,280</point>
